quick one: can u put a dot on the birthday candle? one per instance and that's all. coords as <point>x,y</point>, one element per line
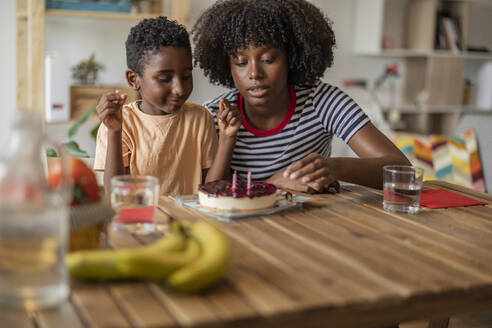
<point>234,181</point>
<point>249,181</point>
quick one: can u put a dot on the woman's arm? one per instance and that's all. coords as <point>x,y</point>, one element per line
<point>374,151</point>
<point>221,167</point>
<point>229,121</point>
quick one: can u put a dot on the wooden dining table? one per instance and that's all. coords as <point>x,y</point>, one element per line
<point>339,261</point>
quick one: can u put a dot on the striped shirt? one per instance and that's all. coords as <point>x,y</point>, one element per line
<point>315,114</point>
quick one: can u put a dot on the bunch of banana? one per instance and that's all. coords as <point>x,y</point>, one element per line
<point>191,257</point>
<point>212,264</point>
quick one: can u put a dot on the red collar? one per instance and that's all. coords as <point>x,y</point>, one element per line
<point>278,128</point>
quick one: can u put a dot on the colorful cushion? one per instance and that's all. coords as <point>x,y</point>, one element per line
<point>451,158</point>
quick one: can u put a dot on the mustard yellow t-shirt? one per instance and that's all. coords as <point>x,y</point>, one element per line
<point>174,147</point>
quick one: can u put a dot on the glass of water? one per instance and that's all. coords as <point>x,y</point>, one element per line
<point>135,200</point>
<point>402,186</point>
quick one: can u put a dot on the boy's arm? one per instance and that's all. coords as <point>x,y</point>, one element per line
<point>114,159</point>
<point>109,110</point>
<point>229,121</point>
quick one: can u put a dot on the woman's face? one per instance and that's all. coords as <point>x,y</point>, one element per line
<point>166,82</point>
<point>260,74</point>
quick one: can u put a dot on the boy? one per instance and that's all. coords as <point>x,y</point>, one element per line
<point>159,135</point>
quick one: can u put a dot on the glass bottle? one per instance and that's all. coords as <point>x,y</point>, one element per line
<point>34,220</point>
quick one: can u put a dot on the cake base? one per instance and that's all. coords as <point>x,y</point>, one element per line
<point>230,204</point>
<point>220,196</point>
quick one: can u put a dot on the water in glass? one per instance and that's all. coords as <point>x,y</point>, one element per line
<point>33,243</point>
<point>402,197</point>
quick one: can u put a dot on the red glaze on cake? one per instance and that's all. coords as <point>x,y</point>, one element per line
<point>219,196</point>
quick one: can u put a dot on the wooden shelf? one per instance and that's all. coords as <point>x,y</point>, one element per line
<point>405,30</point>
<point>98,14</point>
<point>22,14</point>
<point>445,109</point>
<point>484,2</point>
<point>395,53</point>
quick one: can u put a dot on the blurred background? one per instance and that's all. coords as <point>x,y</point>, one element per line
<point>415,66</point>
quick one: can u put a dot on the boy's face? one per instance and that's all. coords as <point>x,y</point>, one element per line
<point>166,81</point>
<point>260,74</point>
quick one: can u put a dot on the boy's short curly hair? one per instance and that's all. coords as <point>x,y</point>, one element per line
<point>296,26</point>
<point>148,36</point>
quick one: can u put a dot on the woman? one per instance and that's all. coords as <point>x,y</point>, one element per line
<point>273,54</point>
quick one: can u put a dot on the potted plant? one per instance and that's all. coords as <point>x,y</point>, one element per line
<point>72,147</point>
<point>86,71</point>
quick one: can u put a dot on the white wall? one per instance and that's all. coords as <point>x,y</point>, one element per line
<point>7,66</point>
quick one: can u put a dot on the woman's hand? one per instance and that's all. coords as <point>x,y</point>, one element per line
<point>315,171</point>
<point>281,181</point>
<point>109,110</point>
<point>228,118</point>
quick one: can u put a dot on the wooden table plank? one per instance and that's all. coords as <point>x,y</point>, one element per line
<point>118,239</point>
<point>272,270</point>
<point>482,212</point>
<point>230,305</point>
<point>96,306</point>
<point>266,298</point>
<point>187,310</point>
<point>438,220</point>
<point>416,267</point>
<point>135,299</point>
<point>140,306</point>
<point>370,217</point>
<point>437,245</point>
<point>12,317</point>
<point>64,315</point>
<point>318,261</point>
<point>409,222</point>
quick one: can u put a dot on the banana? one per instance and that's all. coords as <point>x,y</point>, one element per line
<point>166,255</point>
<point>161,265</point>
<point>211,266</point>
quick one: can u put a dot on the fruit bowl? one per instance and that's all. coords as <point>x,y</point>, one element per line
<point>88,223</point>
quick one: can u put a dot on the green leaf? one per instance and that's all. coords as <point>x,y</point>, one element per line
<point>50,152</point>
<point>75,127</point>
<point>74,149</point>
<point>94,131</point>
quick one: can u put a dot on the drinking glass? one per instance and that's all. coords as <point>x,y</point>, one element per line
<point>402,185</point>
<point>134,199</point>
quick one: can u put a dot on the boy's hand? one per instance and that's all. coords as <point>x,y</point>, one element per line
<point>109,110</point>
<point>315,171</point>
<point>228,118</point>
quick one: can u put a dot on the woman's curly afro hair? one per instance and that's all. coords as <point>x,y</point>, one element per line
<point>148,36</point>
<point>296,26</point>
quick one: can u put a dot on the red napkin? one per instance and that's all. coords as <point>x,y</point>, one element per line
<point>437,198</point>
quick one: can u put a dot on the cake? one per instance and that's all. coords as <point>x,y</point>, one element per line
<point>220,196</point>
